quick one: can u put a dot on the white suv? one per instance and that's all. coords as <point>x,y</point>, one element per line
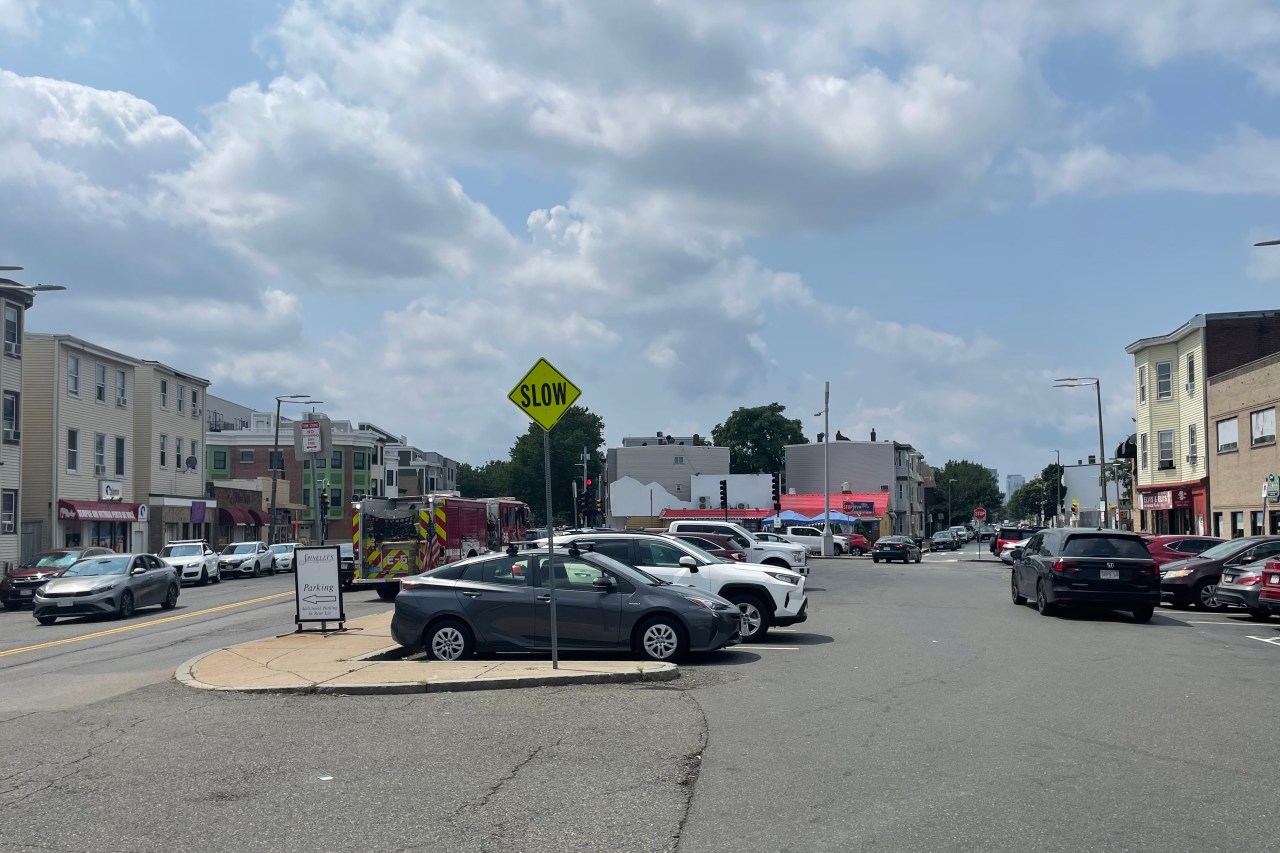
<point>193,560</point>
<point>784,556</point>
<point>766,595</point>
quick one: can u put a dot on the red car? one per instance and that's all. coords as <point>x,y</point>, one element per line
<point>1269,595</point>
<point>1166,549</point>
<point>18,588</point>
<point>858,544</point>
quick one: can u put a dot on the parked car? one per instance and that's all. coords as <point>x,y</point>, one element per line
<point>115,583</point>
<point>765,594</point>
<point>889,548</point>
<point>944,540</point>
<point>1194,581</point>
<point>1008,533</point>
<point>1006,550</point>
<point>500,602</point>
<point>1269,596</point>
<point>247,558</point>
<point>811,538</point>
<point>962,533</point>
<point>1166,549</point>
<point>283,552</point>
<point>713,543</point>
<point>986,532</point>
<point>1070,567</point>
<point>193,560</point>
<point>18,588</point>
<point>784,556</point>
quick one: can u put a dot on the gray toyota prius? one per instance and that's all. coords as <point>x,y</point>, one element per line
<point>502,603</point>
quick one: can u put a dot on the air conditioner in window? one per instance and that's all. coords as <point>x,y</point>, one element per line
<point>1192,459</point>
<point>122,401</point>
<point>12,348</point>
<point>6,527</point>
<point>12,434</point>
<point>1166,465</point>
<point>1190,387</point>
<point>704,502</point>
<point>99,469</point>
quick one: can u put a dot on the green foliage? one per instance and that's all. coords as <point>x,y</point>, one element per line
<point>756,438</point>
<point>490,480</point>
<point>578,428</point>
<point>1055,487</point>
<point>1028,502</point>
<point>975,487</point>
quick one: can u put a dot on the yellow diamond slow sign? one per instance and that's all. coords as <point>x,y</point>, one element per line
<point>544,394</point>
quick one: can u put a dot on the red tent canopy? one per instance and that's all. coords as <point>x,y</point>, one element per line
<point>867,506</point>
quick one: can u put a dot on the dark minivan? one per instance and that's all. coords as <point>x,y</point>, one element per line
<point>1069,567</point>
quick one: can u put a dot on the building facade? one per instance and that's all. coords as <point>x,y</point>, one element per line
<point>1013,482</point>
<point>865,467</point>
<point>1170,372</point>
<point>15,543</point>
<point>168,459</point>
<point>672,467</point>
<point>1242,422</point>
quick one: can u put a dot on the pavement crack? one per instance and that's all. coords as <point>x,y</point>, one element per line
<point>488,795</point>
<point>690,770</point>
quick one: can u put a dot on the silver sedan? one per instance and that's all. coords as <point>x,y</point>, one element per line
<point>115,584</point>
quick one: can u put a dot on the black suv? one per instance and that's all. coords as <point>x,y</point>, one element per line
<point>1072,567</point>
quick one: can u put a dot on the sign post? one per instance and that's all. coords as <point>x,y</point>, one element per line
<point>312,440</point>
<point>317,590</point>
<point>981,514</point>
<point>545,394</point>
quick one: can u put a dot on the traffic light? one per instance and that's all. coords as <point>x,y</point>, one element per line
<point>582,503</point>
<point>1075,507</point>
<point>324,502</point>
<point>724,494</point>
<point>777,492</point>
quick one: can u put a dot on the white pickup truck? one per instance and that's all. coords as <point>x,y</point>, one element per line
<point>811,538</point>
<point>788,556</point>
<point>766,595</point>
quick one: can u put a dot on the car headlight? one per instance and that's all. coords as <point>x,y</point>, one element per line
<point>779,576</point>
<point>106,587</point>
<point>1177,573</point>
<point>707,603</point>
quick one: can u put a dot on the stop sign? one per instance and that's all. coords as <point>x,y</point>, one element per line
<point>980,513</point>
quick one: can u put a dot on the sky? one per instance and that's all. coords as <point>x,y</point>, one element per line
<point>397,207</point>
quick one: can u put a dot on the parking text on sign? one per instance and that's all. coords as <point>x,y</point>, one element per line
<point>546,394</point>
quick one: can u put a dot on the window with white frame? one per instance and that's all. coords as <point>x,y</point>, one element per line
<point>1228,435</point>
<point>1263,427</point>
<point>1142,383</point>
<point>12,331</point>
<point>1191,374</point>
<point>164,393</point>
<point>12,417</point>
<point>679,460</point>
<point>9,511</point>
<point>164,450</point>
<point>1142,442</point>
<point>122,388</point>
<point>1164,440</point>
<point>99,453</point>
<point>195,452</point>
<point>1164,380</point>
<point>73,451</point>
<point>73,375</point>
<point>177,452</point>
<point>182,398</point>
<point>100,378</point>
<point>1193,444</point>
<point>195,402</point>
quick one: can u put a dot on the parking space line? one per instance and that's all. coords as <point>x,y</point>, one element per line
<point>1271,641</point>
<point>1208,622</point>
<point>754,647</point>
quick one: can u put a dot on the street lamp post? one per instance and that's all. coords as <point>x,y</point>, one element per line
<point>1076,382</point>
<point>828,543</point>
<point>275,457</point>
<point>1057,488</point>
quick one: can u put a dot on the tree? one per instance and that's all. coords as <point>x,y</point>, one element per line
<point>1029,501</point>
<point>490,480</point>
<point>578,428</point>
<point>1055,488</point>
<point>975,487</point>
<point>756,438</point>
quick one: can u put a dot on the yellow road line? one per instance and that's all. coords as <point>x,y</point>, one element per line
<point>137,625</point>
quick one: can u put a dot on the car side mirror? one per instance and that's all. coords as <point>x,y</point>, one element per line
<point>138,570</point>
<point>1248,558</point>
<point>1016,553</point>
<point>602,583</point>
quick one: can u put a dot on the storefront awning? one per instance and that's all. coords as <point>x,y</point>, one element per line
<point>258,517</point>
<point>97,511</point>
<point>233,517</point>
<point>868,507</point>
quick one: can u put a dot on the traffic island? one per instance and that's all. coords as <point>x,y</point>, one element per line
<point>354,662</point>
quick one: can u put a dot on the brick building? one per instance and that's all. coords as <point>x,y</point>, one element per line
<point>1242,415</point>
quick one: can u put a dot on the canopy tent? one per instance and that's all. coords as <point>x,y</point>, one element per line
<point>787,516</point>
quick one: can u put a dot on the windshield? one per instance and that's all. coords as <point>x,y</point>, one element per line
<point>629,572</point>
<point>98,566</point>
<point>55,560</point>
<point>942,536</point>
<point>1121,547</point>
<point>241,548</point>
<point>181,551</point>
<point>1223,549</point>
<point>282,549</point>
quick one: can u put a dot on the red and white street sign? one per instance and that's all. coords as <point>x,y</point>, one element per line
<point>312,440</point>
<point>980,513</point>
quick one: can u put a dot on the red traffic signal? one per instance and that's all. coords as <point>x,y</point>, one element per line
<point>588,482</point>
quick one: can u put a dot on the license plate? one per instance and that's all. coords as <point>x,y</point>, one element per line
<point>25,593</point>
<point>1228,580</point>
<point>1110,574</point>
<point>65,603</point>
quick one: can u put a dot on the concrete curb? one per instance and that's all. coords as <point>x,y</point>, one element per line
<point>665,672</point>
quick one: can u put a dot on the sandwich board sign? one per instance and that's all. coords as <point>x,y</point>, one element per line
<point>317,588</point>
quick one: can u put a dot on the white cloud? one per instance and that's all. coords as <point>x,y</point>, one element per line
<point>19,17</point>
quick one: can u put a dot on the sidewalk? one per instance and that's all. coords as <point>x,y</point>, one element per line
<point>340,663</point>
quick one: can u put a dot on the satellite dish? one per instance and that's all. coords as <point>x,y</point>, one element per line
<point>191,463</point>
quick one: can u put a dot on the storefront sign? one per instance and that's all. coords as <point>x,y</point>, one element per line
<point>96,511</point>
<point>858,507</point>
<point>110,490</point>
<point>1168,499</point>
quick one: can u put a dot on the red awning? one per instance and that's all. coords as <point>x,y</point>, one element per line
<point>97,511</point>
<point>234,517</point>
<point>869,506</point>
<point>713,514</point>
<point>257,516</point>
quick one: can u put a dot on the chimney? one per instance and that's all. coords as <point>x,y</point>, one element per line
<point>873,434</point>
<point>1093,460</point>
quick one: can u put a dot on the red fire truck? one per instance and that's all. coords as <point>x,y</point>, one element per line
<point>393,538</point>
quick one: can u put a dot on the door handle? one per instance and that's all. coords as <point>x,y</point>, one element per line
<point>544,598</point>
<point>471,594</point>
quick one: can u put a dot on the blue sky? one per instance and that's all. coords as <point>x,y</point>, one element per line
<point>399,206</point>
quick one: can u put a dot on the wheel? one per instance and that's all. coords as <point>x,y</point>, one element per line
<point>1206,596</point>
<point>1042,601</point>
<point>271,570</point>
<point>171,599</point>
<point>919,556</point>
<point>217,575</point>
<point>839,551</point>
<point>204,578</point>
<point>875,559</point>
<point>755,616</point>
<point>856,551</point>
<point>1143,614</point>
<point>662,639</point>
<point>388,591</point>
<point>46,620</point>
<point>1018,597</point>
<point>126,605</point>
<point>1259,615</point>
<point>257,569</point>
<point>449,640</point>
